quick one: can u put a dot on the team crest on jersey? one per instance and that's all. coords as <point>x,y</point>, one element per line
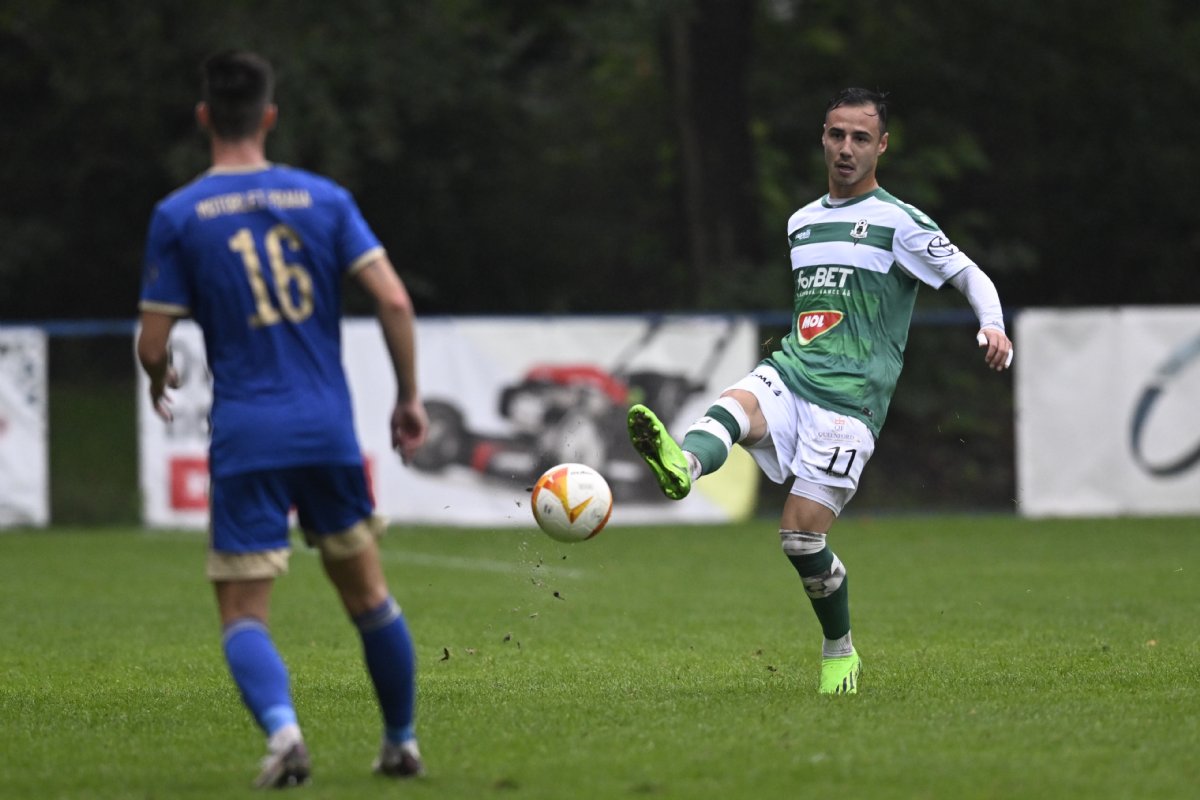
<point>859,231</point>
<point>812,324</point>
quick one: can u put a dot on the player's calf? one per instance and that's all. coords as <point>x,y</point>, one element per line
<point>824,578</point>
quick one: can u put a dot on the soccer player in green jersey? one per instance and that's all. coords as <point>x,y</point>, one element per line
<point>812,409</point>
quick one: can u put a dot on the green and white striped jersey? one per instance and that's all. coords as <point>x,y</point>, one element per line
<point>856,267</point>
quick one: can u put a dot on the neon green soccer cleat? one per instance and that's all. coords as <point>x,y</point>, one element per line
<point>840,675</point>
<point>660,452</point>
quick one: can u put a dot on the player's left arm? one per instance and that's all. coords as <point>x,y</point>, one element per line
<point>981,293</point>
<point>926,253</point>
<point>369,264</point>
<point>394,308</point>
<point>154,353</point>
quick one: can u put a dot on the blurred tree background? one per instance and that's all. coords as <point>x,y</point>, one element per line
<point>631,155</point>
<point>617,155</point>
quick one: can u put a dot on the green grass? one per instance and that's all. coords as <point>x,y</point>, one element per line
<point>1003,658</point>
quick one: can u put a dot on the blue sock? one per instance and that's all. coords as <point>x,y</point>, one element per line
<point>392,665</point>
<point>259,673</point>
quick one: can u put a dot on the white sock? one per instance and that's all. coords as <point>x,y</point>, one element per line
<point>832,648</point>
<point>284,738</point>
<point>693,464</point>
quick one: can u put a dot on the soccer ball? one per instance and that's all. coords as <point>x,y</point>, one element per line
<point>571,502</point>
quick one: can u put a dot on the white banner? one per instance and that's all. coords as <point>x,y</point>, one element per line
<point>173,457</point>
<point>1106,403</point>
<point>24,464</point>
<point>507,397</point>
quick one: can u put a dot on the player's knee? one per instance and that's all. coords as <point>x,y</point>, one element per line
<point>799,544</point>
<point>746,401</point>
<point>820,570</point>
<point>355,570</point>
<point>348,543</point>
<point>749,413</point>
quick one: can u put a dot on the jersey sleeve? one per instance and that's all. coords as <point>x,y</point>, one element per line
<point>165,287</point>
<point>925,252</point>
<point>356,243</point>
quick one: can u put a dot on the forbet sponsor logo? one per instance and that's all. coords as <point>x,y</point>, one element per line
<point>823,277</point>
<point>812,324</point>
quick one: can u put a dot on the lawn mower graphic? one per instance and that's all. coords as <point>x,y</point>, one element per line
<point>565,412</point>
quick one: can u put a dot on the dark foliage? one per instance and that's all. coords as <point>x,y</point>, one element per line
<point>535,156</point>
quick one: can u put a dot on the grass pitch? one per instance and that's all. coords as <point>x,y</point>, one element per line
<point>1003,658</point>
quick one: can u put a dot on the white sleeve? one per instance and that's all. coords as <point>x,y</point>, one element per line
<point>981,293</point>
<point>924,251</point>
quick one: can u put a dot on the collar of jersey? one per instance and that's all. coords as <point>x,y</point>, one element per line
<point>853,200</point>
<point>238,170</point>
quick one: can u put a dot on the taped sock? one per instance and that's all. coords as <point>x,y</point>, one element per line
<point>711,437</point>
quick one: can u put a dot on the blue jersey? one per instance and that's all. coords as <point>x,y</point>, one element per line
<point>257,258</point>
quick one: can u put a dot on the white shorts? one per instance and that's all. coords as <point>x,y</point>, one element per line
<point>824,450</point>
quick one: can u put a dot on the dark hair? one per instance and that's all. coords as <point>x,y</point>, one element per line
<point>237,87</point>
<point>862,97</point>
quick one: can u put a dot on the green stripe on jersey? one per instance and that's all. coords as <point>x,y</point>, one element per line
<point>879,236</point>
<point>918,216</point>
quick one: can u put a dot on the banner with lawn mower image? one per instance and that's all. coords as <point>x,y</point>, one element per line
<point>507,398</point>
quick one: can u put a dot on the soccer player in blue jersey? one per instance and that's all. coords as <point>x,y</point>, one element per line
<point>256,253</point>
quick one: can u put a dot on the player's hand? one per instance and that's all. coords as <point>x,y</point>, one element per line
<point>410,425</point>
<point>158,393</point>
<point>999,355</point>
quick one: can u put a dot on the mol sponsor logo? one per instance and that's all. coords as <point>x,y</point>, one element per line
<point>812,324</point>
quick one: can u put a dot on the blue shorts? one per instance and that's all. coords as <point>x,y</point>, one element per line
<point>250,511</point>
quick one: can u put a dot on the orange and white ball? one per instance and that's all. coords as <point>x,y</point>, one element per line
<point>571,502</point>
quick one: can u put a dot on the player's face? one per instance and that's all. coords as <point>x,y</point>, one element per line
<point>853,144</point>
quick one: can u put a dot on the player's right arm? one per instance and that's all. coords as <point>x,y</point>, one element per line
<point>164,299</point>
<point>153,351</point>
<point>397,318</point>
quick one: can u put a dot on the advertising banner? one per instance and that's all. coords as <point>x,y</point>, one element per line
<point>1108,411</point>
<point>24,461</point>
<point>507,398</point>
